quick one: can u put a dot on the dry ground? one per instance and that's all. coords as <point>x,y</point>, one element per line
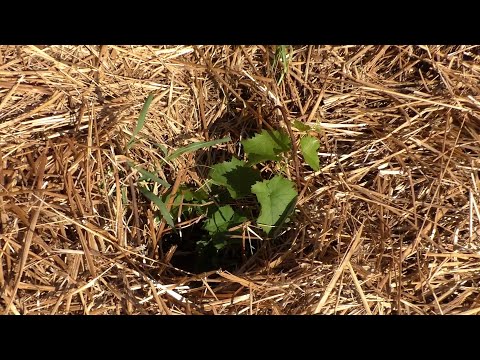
<point>390,224</point>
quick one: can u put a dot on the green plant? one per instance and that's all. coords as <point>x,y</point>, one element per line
<point>236,194</point>
<point>274,198</point>
<point>281,56</point>
<point>141,120</point>
<point>149,177</point>
<point>242,180</point>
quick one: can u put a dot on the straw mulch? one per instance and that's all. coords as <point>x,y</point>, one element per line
<point>389,225</point>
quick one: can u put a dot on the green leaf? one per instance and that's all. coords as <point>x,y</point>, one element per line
<point>281,54</point>
<point>162,147</point>
<point>277,198</point>
<point>236,176</point>
<point>141,120</point>
<point>146,175</point>
<point>191,194</point>
<point>187,196</point>
<point>266,146</point>
<point>223,219</point>
<point>195,146</point>
<point>301,126</point>
<point>219,244</point>
<point>310,146</point>
<point>161,205</point>
<point>124,196</point>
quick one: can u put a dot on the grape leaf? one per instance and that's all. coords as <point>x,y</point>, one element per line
<point>236,176</point>
<point>277,198</point>
<point>309,146</point>
<point>222,219</point>
<point>218,171</point>
<point>266,146</point>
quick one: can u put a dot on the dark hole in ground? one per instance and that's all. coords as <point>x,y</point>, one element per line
<point>189,256</point>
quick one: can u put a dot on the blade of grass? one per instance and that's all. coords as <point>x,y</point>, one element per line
<point>147,175</point>
<point>161,205</point>
<point>195,146</point>
<point>281,55</point>
<point>163,148</point>
<point>141,120</point>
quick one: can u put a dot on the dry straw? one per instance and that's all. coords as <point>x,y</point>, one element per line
<point>389,225</point>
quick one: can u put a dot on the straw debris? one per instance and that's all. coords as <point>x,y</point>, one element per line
<point>389,224</point>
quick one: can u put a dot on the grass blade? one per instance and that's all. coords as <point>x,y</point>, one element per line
<point>150,176</point>
<point>141,120</point>
<point>161,205</point>
<point>147,175</point>
<point>163,148</point>
<point>194,147</point>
